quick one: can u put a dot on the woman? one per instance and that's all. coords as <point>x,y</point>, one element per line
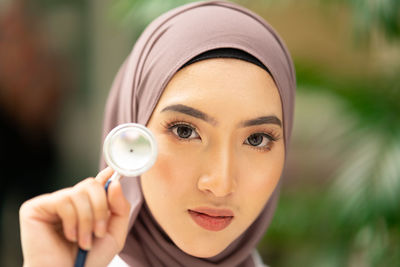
<point>215,84</point>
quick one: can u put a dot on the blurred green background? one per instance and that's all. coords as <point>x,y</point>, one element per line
<point>340,203</point>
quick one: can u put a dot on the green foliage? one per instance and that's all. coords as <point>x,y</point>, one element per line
<point>384,15</point>
<point>137,14</point>
<point>371,16</point>
<point>354,219</point>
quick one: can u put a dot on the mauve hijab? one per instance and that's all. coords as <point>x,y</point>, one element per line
<point>163,48</point>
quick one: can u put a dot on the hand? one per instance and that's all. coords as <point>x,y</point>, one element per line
<point>53,225</point>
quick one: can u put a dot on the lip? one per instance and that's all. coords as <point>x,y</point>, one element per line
<point>211,219</point>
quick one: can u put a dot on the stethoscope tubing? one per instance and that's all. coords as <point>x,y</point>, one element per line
<point>82,253</point>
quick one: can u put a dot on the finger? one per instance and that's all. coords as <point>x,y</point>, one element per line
<point>98,201</point>
<point>119,207</point>
<point>65,209</point>
<point>103,176</point>
<point>81,202</point>
<point>44,206</point>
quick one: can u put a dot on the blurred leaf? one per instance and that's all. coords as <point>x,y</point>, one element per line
<point>371,16</point>
<point>137,14</point>
<point>382,14</point>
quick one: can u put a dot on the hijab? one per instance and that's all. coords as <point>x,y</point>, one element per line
<point>164,47</point>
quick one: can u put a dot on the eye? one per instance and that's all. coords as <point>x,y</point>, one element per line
<point>184,131</point>
<point>259,140</point>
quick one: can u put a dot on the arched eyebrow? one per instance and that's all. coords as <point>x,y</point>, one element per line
<point>191,112</point>
<point>262,120</point>
<point>207,118</point>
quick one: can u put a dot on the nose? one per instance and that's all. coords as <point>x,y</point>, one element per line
<point>219,178</point>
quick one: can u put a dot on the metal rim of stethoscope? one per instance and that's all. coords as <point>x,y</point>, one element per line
<point>146,133</point>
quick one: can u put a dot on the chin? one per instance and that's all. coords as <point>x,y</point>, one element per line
<point>202,253</point>
<point>202,250</point>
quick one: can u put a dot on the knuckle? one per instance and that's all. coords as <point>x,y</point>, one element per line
<point>68,209</point>
<point>77,195</point>
<point>24,208</point>
<point>64,196</point>
<point>29,205</point>
<point>85,218</point>
<point>90,181</point>
<point>81,205</point>
<point>100,210</point>
<point>85,183</point>
<point>96,188</point>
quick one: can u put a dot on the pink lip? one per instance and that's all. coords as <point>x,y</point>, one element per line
<point>212,219</point>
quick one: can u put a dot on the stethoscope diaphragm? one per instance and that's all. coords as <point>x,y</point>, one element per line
<point>130,149</point>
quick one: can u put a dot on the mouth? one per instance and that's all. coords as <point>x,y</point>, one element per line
<point>212,219</point>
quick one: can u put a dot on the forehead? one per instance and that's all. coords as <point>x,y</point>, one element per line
<point>222,86</point>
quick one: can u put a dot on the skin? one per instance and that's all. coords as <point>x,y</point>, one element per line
<point>215,166</point>
<point>53,225</point>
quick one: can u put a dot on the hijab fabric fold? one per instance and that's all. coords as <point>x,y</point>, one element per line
<point>163,48</point>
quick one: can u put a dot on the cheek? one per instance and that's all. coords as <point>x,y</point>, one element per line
<point>172,176</point>
<point>259,175</point>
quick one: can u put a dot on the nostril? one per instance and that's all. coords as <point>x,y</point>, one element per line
<point>218,186</point>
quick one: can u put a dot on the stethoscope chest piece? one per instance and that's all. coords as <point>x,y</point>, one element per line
<point>130,149</point>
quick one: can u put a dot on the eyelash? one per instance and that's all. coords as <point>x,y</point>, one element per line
<point>270,135</point>
<point>169,126</point>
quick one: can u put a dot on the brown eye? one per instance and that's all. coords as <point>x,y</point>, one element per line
<point>258,140</point>
<point>184,131</point>
<point>255,139</point>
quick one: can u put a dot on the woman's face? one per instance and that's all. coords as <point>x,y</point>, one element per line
<point>221,153</point>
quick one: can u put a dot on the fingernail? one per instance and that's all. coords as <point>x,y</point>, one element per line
<point>100,228</point>
<point>87,241</point>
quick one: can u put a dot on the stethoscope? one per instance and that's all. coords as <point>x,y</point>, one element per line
<point>129,149</point>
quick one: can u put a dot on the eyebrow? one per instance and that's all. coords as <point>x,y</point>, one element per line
<point>203,116</point>
<point>262,120</point>
<point>191,112</point>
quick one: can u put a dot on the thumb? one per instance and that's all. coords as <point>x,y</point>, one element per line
<point>119,207</point>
